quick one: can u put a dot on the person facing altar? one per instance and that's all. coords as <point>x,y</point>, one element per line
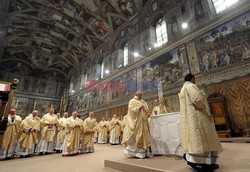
<point>159,108</point>
<point>156,109</point>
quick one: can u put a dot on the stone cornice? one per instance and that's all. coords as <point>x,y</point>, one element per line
<point>34,96</point>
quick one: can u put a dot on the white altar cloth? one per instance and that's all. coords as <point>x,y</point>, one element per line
<point>165,134</point>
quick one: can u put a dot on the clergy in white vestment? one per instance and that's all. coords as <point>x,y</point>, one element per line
<point>103,131</point>
<point>115,130</point>
<point>123,125</point>
<point>49,122</point>
<point>156,109</point>
<point>10,135</point>
<point>108,126</point>
<point>200,141</point>
<point>58,144</point>
<point>124,122</point>
<point>62,124</point>
<point>73,129</point>
<point>89,127</point>
<point>136,136</point>
<point>96,134</point>
<point>28,135</point>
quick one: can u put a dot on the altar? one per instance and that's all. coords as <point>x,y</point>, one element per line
<point>165,134</point>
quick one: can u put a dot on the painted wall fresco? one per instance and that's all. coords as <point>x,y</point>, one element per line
<point>128,77</point>
<point>43,105</point>
<point>25,105</point>
<point>170,67</point>
<point>21,105</point>
<point>225,45</point>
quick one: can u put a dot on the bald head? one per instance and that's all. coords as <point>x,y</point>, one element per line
<point>139,94</point>
<point>51,110</point>
<point>91,114</point>
<point>114,116</point>
<point>74,114</point>
<point>65,114</point>
<point>156,102</point>
<point>34,113</point>
<point>12,111</point>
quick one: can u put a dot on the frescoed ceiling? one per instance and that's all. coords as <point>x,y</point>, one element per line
<point>58,34</point>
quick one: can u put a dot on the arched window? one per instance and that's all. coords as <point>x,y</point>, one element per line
<point>221,5</point>
<point>102,69</point>
<point>125,55</point>
<point>161,32</point>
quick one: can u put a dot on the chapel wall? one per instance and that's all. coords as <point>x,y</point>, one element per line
<point>35,90</point>
<point>216,50</point>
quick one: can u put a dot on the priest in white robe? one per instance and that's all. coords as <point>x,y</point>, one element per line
<point>49,122</point>
<point>115,130</point>
<point>29,132</point>
<point>96,134</point>
<point>73,129</point>
<point>62,125</point>
<point>108,126</point>
<point>89,127</point>
<point>58,144</point>
<point>103,132</point>
<point>200,141</point>
<point>10,135</point>
<point>136,136</point>
<point>156,109</point>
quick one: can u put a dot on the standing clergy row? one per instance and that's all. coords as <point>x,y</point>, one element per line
<point>110,131</point>
<point>34,135</point>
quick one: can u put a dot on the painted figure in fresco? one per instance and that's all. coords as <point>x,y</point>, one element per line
<point>193,64</point>
<point>101,27</point>
<point>147,18</point>
<point>26,85</point>
<point>167,73</point>
<point>156,71</point>
<point>97,2</point>
<point>149,74</point>
<point>205,61</point>
<point>116,22</point>
<point>214,59</point>
<point>174,25</point>
<point>84,104</point>
<point>246,52</point>
<point>182,62</point>
<point>126,7</point>
<point>130,31</point>
<point>61,91</point>
<point>42,60</point>
<point>221,61</point>
<point>198,10</point>
<point>227,59</point>
<point>42,87</point>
